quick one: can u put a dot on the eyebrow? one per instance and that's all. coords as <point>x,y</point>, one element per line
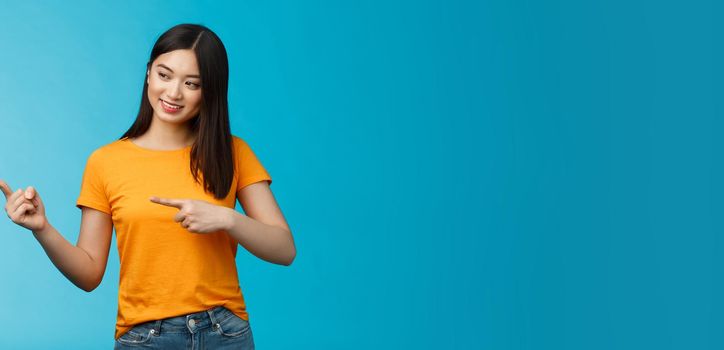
<point>164,66</point>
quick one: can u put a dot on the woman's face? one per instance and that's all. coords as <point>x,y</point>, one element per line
<point>174,86</point>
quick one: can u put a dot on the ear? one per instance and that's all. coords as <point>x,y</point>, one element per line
<point>147,76</point>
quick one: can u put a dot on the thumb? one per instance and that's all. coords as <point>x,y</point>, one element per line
<point>32,195</point>
<point>29,192</point>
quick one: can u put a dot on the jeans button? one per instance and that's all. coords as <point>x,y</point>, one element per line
<point>192,322</point>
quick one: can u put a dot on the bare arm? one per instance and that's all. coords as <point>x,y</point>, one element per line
<point>83,264</point>
<point>263,231</point>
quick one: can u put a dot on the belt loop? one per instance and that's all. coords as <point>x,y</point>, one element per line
<point>212,316</point>
<point>157,328</point>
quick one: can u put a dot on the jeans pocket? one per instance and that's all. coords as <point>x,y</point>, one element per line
<point>137,335</point>
<point>232,326</point>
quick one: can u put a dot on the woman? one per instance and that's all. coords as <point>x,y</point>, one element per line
<point>168,186</point>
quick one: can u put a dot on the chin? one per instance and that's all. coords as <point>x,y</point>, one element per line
<point>175,119</point>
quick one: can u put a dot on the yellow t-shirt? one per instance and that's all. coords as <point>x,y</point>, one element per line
<point>166,271</point>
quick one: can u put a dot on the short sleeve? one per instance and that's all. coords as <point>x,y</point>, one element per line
<point>249,168</point>
<point>92,189</point>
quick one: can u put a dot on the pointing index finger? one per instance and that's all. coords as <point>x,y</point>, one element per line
<point>6,189</point>
<point>176,203</point>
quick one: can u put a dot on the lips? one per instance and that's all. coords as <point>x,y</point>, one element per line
<point>170,108</point>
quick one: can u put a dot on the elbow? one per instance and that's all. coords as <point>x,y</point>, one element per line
<point>290,258</point>
<point>90,286</point>
<point>292,254</point>
<point>86,287</point>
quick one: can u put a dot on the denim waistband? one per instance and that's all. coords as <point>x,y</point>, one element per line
<point>190,322</point>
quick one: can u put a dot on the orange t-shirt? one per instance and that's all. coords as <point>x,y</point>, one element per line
<point>166,271</point>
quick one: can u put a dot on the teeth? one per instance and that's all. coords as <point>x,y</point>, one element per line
<point>170,105</point>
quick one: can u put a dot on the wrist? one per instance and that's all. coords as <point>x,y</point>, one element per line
<point>43,229</point>
<point>230,218</point>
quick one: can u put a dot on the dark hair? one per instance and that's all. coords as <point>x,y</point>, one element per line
<point>212,151</point>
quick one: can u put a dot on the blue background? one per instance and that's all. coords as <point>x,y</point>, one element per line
<point>457,175</point>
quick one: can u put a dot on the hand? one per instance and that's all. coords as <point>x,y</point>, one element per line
<point>25,208</point>
<point>196,215</point>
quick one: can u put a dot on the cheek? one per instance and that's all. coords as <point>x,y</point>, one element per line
<point>194,100</point>
<point>154,90</point>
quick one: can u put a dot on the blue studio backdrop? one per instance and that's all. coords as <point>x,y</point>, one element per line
<point>457,174</point>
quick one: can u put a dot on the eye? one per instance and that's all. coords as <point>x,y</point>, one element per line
<point>162,75</point>
<point>194,85</point>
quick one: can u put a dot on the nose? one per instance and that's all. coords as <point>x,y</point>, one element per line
<point>174,92</point>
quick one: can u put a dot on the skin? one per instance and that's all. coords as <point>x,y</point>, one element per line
<point>263,231</point>
<point>172,84</point>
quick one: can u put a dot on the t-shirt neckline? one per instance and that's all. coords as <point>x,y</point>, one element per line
<point>132,144</point>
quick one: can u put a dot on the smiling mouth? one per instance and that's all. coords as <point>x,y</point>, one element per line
<point>170,105</point>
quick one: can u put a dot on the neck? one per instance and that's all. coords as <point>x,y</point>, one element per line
<point>166,136</point>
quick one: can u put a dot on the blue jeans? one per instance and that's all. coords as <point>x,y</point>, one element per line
<point>216,328</point>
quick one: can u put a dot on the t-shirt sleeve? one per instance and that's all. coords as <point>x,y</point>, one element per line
<point>250,169</point>
<point>92,189</point>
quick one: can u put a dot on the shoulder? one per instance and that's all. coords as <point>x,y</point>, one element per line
<point>106,152</point>
<point>241,147</point>
<point>238,142</point>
